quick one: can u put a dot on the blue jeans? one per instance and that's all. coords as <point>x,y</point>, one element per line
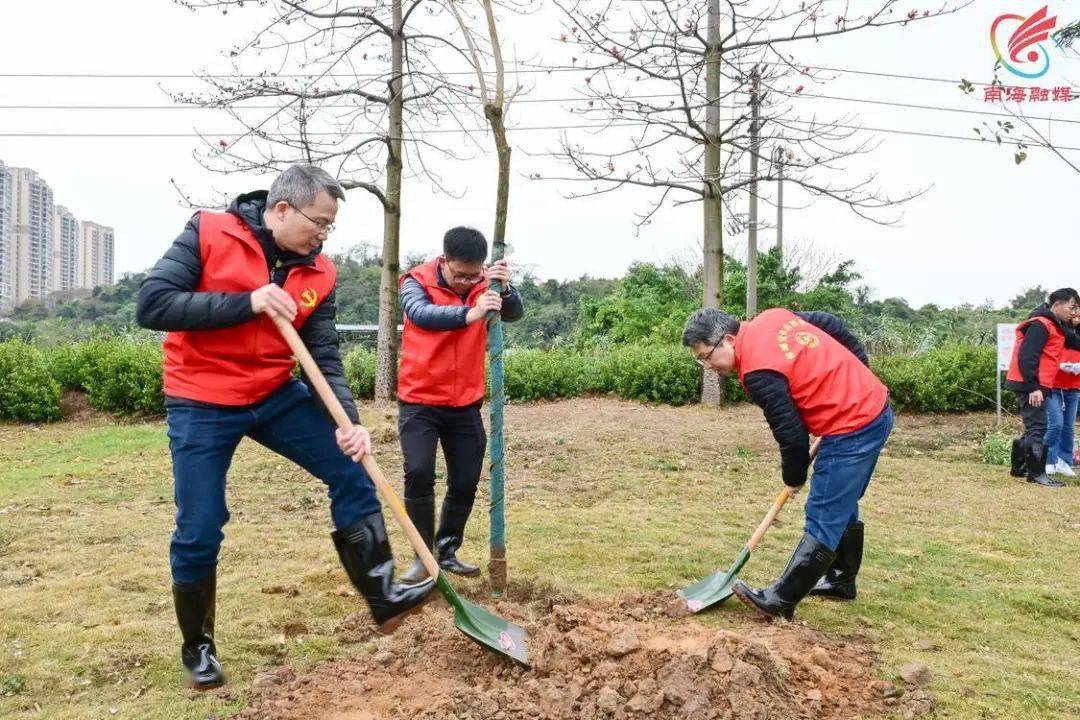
<point>202,441</point>
<point>1061,424</point>
<point>841,474</point>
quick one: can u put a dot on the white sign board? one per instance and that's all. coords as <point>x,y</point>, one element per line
<point>1006,338</point>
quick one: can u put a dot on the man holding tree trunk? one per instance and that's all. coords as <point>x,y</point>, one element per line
<point>445,302</point>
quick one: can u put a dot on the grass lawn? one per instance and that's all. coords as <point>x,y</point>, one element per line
<point>604,496</point>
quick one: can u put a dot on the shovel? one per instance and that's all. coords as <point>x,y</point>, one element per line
<point>716,588</point>
<point>491,631</point>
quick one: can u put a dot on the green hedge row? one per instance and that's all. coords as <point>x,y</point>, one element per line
<point>118,375</point>
<point>652,373</point>
<point>27,390</point>
<point>124,376</point>
<point>959,378</point>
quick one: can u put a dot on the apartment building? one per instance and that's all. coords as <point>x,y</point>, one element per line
<point>44,247</point>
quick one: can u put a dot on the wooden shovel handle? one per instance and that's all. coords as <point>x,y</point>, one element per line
<point>782,498</point>
<point>342,419</point>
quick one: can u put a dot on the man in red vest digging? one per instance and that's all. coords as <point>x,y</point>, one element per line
<point>1033,368</point>
<point>441,386</point>
<point>809,374</point>
<point>228,374</point>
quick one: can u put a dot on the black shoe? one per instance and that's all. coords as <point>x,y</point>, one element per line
<point>365,553</point>
<point>1036,465</point>
<point>450,536</point>
<point>195,604</point>
<point>422,513</point>
<point>1019,465</point>
<point>808,563</point>
<point>839,580</point>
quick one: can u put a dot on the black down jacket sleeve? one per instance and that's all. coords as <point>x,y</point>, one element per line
<point>770,390</point>
<point>319,334</point>
<point>425,314</point>
<point>168,299</point>
<point>835,327</point>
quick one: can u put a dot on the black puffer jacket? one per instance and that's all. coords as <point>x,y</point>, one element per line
<point>168,299</point>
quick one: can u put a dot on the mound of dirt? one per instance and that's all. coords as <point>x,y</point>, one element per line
<point>591,660</point>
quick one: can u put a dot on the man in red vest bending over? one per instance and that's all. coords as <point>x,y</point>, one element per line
<point>809,374</point>
<point>441,386</point>
<point>228,374</point>
<point>1033,368</point>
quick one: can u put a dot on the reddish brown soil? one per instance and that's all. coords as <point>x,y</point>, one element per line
<point>637,657</point>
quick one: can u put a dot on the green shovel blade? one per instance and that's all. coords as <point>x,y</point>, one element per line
<point>715,588</point>
<point>491,631</point>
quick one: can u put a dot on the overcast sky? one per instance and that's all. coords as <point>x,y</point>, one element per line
<point>986,229</point>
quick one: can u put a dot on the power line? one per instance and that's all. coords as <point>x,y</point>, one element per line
<point>180,106</point>
<point>235,134</point>
<point>579,99</point>
<point>592,126</point>
<point>514,68</point>
<point>917,133</point>
<point>939,108</point>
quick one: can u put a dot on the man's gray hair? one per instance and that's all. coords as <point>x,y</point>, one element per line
<point>708,326</point>
<point>299,184</point>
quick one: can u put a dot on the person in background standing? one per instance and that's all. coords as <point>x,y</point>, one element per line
<point>1061,407</point>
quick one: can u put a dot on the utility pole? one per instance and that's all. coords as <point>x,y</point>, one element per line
<point>780,204</point>
<point>755,140</point>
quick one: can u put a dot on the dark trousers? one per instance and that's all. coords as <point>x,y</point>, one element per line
<point>464,441</point>
<point>202,441</point>
<point>1034,418</point>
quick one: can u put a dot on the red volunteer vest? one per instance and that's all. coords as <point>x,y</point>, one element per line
<point>1051,354</point>
<point>1064,380</point>
<point>242,364</point>
<point>442,367</point>
<point>833,392</point>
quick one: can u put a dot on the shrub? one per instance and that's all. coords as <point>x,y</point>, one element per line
<point>956,378</point>
<point>123,376</point>
<point>66,364</point>
<point>360,372</point>
<point>27,390</point>
<point>549,374</point>
<point>653,373</point>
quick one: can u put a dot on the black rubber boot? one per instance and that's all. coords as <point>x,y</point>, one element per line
<point>808,563</point>
<point>422,513</point>
<point>1019,465</point>
<point>195,604</point>
<point>450,536</point>
<point>365,554</point>
<point>839,580</point>
<point>1036,466</point>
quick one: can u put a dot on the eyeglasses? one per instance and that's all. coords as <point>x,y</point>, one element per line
<point>457,277</point>
<point>704,361</point>
<point>324,227</point>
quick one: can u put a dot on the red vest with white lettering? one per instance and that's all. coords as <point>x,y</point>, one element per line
<point>833,391</point>
<point>242,364</point>
<point>1048,360</point>
<point>442,367</point>
<point>1067,380</point>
